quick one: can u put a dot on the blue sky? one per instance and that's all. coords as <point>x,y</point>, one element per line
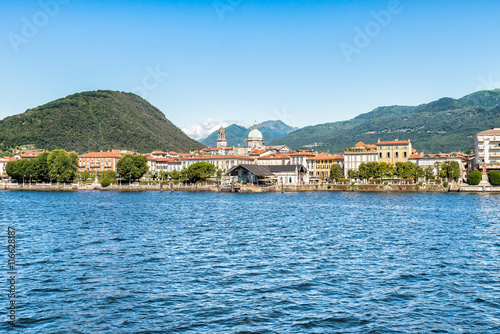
<point>206,63</point>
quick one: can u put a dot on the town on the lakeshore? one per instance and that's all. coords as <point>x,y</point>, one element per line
<point>256,163</point>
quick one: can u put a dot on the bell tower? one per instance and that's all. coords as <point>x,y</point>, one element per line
<point>221,140</point>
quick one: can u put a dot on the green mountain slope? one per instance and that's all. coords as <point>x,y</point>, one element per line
<point>91,121</point>
<point>441,126</point>
<point>236,134</point>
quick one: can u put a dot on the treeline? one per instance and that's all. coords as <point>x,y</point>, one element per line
<point>405,170</point>
<point>57,165</point>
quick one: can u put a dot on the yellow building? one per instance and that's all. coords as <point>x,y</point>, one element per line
<point>394,151</point>
<point>320,165</point>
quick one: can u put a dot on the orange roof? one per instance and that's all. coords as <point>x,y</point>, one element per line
<point>415,156</point>
<point>394,142</point>
<point>274,157</point>
<point>256,152</point>
<point>360,144</point>
<point>371,146</point>
<point>184,154</point>
<point>169,160</point>
<point>327,157</point>
<point>302,153</point>
<point>101,155</point>
<point>207,157</point>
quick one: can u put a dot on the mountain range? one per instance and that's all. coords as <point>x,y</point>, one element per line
<point>236,134</point>
<point>93,121</point>
<point>444,125</point>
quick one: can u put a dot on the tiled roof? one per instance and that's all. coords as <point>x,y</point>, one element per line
<point>327,157</point>
<point>394,142</point>
<point>101,155</point>
<point>207,157</point>
<point>494,131</point>
<point>274,157</point>
<point>360,144</point>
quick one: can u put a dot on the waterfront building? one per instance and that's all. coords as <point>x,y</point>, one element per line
<point>394,151</point>
<point>31,154</point>
<point>321,164</point>
<point>355,156</point>
<point>3,163</point>
<point>98,161</point>
<point>487,149</point>
<point>222,162</point>
<point>259,174</point>
<point>274,159</point>
<point>289,174</point>
<point>300,157</point>
<point>426,160</point>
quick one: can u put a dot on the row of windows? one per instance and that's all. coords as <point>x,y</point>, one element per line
<point>396,155</point>
<point>97,159</point>
<point>395,147</point>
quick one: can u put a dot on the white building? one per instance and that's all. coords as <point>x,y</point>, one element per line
<point>487,149</point>
<point>255,139</point>
<point>355,156</point>
<point>222,162</point>
<point>426,160</point>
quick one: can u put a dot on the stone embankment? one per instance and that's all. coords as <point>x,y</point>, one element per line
<point>252,189</point>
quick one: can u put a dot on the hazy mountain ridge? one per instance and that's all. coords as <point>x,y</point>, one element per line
<point>236,134</point>
<point>439,126</point>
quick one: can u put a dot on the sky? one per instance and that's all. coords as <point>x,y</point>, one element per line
<point>211,63</point>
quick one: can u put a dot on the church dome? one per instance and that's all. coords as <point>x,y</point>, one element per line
<point>255,134</point>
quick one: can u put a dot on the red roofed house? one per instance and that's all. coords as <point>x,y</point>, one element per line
<point>98,161</point>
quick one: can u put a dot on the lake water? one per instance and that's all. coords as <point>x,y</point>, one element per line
<point>110,262</point>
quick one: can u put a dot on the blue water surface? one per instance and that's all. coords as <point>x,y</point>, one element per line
<point>151,262</point>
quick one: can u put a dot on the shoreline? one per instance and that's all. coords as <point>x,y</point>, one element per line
<point>396,188</point>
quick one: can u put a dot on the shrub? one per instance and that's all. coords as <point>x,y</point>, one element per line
<point>474,178</point>
<point>494,176</point>
<point>329,186</point>
<point>378,181</point>
<point>445,184</point>
<point>105,181</point>
<point>343,180</point>
<point>421,183</point>
<point>435,181</point>
<point>386,183</point>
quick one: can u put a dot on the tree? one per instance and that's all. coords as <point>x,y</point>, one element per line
<point>200,171</point>
<point>352,174</point>
<point>335,172</point>
<point>85,175</point>
<point>175,174</point>
<point>494,177</point>
<point>132,167</point>
<point>429,172</point>
<point>450,169</point>
<point>474,178</point>
<point>62,165</point>
<point>219,174</point>
<point>107,177</point>
<point>420,172</point>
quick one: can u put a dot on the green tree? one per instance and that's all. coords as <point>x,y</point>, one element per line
<point>494,177</point>
<point>175,175</point>
<point>132,167</point>
<point>335,172</point>
<point>352,174</point>
<point>420,172</point>
<point>474,178</point>
<point>62,165</point>
<point>219,174</point>
<point>450,169</point>
<point>107,177</point>
<point>429,172</point>
<point>40,167</point>
<point>200,171</point>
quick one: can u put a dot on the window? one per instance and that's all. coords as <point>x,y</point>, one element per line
<point>397,155</point>
<point>405,154</point>
<point>380,155</point>
<point>388,147</point>
<point>397,147</point>
<point>388,155</point>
